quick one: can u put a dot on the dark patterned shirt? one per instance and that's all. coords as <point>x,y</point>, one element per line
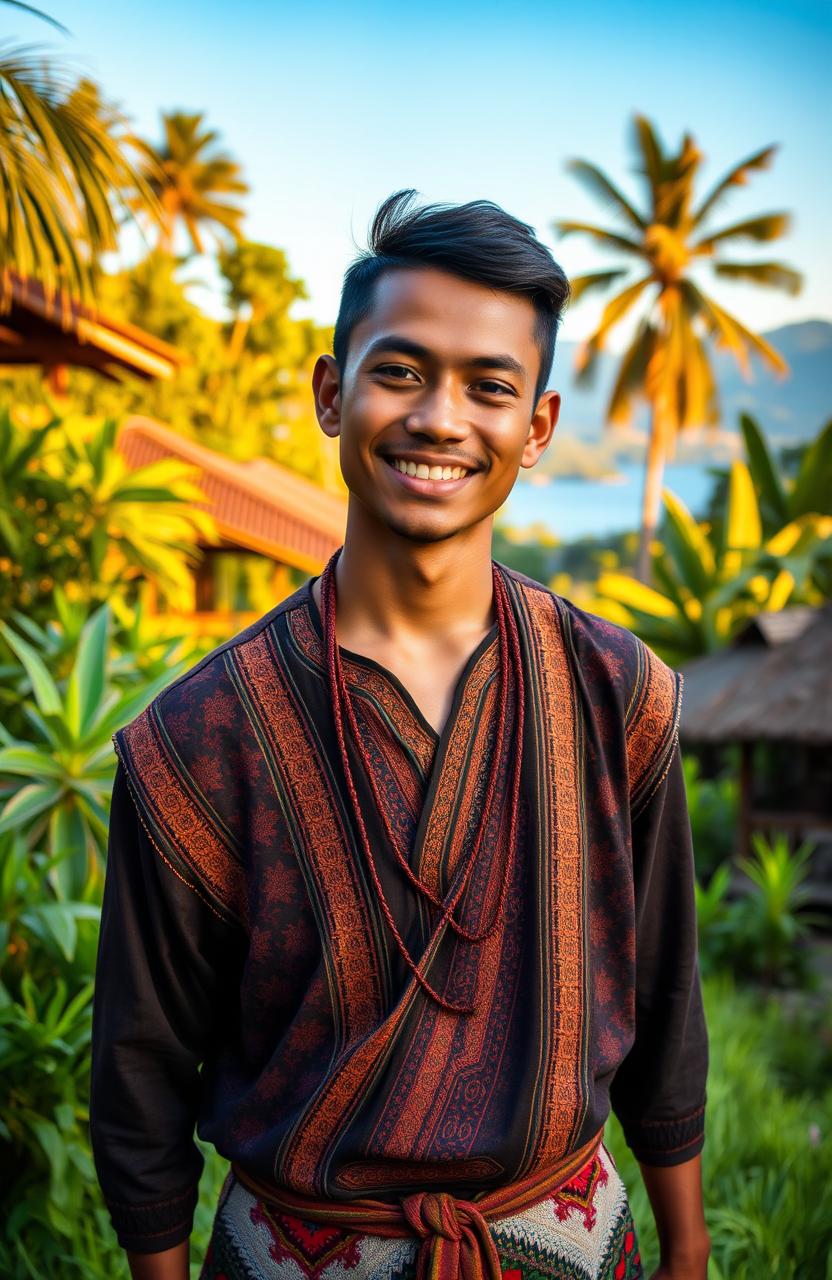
<point>248,983</point>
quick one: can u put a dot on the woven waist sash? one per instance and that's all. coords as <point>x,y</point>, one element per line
<point>455,1243</point>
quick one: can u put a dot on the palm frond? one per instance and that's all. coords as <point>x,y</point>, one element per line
<point>649,150</point>
<point>768,226</point>
<point>730,333</point>
<point>610,239</point>
<point>63,172</point>
<point>38,13</point>
<point>771,275</point>
<point>597,182</point>
<point>618,306</point>
<point>579,285</point>
<point>735,177</point>
<point>632,372</point>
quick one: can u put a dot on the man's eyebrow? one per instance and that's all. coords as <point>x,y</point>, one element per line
<point>406,346</point>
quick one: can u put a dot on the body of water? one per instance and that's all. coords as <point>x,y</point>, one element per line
<point>574,508</point>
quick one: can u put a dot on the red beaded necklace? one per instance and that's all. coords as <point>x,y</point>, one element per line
<point>510,655</point>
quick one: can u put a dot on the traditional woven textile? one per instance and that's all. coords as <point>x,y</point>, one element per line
<point>583,1231</point>
<point>366,959</point>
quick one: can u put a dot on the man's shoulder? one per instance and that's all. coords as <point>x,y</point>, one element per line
<point>205,692</point>
<point>604,650</point>
<point>621,678</point>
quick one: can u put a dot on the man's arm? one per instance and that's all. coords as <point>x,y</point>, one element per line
<point>658,1092</point>
<point>676,1200</point>
<point>172,1264</point>
<point>159,1005</point>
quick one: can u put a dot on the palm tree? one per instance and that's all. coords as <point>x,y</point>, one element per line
<point>667,362</point>
<point>189,175</point>
<point>63,170</point>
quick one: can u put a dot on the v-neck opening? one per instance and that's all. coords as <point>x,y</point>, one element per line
<point>438,738</point>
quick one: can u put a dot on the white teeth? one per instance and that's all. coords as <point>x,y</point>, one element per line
<point>424,472</point>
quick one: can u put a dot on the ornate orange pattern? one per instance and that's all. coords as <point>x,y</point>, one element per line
<point>173,819</point>
<point>652,726</point>
<point>350,943</point>
<point>562,961</point>
<point>357,1177</point>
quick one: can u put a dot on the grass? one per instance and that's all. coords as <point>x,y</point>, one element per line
<point>767,1163</point>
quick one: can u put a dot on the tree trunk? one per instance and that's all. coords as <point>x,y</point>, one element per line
<point>652,493</point>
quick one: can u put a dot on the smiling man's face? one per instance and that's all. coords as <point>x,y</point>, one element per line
<point>436,409</point>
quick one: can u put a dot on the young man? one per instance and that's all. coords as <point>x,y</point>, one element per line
<point>400,890</point>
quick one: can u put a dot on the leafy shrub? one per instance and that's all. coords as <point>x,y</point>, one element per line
<point>72,512</point>
<point>763,935</point>
<point>66,692</point>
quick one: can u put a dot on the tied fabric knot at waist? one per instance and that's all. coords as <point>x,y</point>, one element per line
<point>454,1235</point>
<point>455,1242</point>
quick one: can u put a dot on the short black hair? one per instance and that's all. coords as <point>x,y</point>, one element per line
<point>478,241</point>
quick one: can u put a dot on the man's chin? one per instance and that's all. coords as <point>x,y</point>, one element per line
<point>420,534</point>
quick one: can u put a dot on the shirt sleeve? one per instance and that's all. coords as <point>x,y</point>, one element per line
<point>658,1093</point>
<point>158,1004</point>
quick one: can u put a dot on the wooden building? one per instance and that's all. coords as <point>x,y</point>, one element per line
<point>275,527</point>
<point>56,331</point>
<point>770,693</point>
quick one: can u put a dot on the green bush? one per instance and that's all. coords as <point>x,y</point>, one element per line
<point>65,690</point>
<point>765,934</point>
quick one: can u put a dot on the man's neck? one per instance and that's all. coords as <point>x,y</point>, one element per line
<point>390,587</point>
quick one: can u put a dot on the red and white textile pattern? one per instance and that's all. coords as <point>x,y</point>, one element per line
<point>582,1232</point>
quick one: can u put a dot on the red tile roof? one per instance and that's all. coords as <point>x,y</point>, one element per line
<point>257,505</point>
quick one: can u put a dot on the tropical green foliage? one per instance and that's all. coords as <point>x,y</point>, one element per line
<point>668,363</point>
<point>68,687</point>
<point>767,1159</point>
<point>761,933</point>
<point>713,804</point>
<point>711,579</point>
<point>71,511</point>
<point>64,173</point>
<point>60,772</point>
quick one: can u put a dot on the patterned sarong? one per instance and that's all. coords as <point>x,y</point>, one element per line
<point>584,1231</point>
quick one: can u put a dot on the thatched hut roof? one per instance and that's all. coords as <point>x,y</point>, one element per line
<point>773,685</point>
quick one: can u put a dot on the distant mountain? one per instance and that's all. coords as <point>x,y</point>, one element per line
<point>790,409</point>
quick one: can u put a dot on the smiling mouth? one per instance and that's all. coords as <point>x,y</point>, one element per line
<point>421,470</point>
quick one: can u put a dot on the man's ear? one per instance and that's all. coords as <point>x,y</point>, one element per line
<point>542,427</point>
<point>326,385</point>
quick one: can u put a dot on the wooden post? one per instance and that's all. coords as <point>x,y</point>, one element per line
<point>746,798</point>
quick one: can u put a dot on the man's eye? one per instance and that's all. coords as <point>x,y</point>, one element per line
<point>491,388</point>
<point>396,371</point>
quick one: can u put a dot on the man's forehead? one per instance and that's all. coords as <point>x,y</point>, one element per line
<point>440,311</point>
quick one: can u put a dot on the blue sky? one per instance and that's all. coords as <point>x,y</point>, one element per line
<point>331,107</point>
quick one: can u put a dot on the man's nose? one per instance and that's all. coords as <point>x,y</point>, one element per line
<point>439,414</point>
